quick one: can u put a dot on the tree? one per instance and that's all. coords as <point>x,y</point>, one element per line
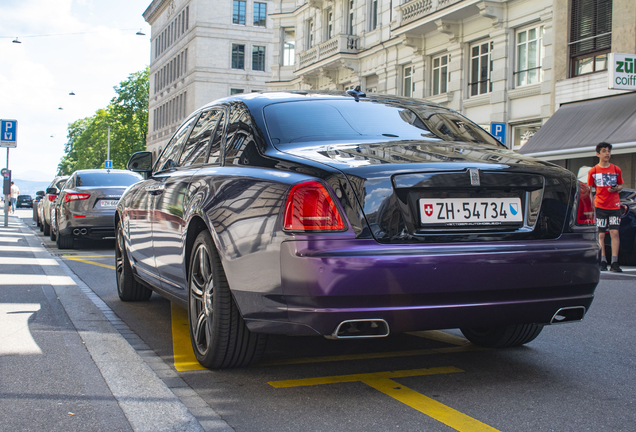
<point>127,115</point>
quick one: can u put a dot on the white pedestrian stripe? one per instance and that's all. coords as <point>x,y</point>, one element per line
<point>16,338</point>
<point>27,261</point>
<point>20,279</point>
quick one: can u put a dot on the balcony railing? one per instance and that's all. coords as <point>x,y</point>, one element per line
<point>416,9</point>
<point>338,44</point>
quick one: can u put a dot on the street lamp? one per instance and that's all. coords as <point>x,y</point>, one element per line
<point>71,93</point>
<point>140,33</point>
<point>16,40</point>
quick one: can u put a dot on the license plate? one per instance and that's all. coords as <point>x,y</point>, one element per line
<point>470,211</point>
<point>108,203</point>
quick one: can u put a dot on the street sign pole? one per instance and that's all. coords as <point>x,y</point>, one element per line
<point>8,138</point>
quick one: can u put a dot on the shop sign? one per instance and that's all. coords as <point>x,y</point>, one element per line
<point>622,71</point>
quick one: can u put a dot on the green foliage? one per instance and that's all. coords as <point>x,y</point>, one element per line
<point>127,115</point>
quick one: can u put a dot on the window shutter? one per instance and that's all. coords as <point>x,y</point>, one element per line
<point>590,18</point>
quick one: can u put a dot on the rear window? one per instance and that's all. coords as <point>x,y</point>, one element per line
<point>333,120</point>
<point>107,179</point>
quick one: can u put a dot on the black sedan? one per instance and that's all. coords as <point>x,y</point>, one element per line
<point>347,216</point>
<point>24,201</point>
<point>86,205</point>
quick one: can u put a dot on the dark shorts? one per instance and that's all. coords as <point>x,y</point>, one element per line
<point>608,219</point>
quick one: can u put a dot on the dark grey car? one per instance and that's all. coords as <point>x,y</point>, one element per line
<point>86,205</point>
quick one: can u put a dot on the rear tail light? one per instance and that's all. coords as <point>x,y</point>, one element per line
<point>75,197</point>
<point>586,214</point>
<point>51,197</point>
<point>309,207</point>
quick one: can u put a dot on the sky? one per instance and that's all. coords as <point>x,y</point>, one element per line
<point>82,46</point>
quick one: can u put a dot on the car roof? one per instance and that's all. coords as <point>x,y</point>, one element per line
<point>261,99</point>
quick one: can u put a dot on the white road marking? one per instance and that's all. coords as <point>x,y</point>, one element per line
<point>16,338</point>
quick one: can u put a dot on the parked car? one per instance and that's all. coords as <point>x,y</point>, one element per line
<point>342,215</point>
<point>38,197</point>
<point>24,201</point>
<point>44,209</point>
<point>86,205</point>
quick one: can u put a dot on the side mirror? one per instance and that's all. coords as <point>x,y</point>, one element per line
<point>39,194</point>
<point>51,191</point>
<point>141,162</point>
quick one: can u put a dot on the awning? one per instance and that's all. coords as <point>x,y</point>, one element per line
<point>575,129</point>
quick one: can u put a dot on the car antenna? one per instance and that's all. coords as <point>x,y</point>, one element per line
<point>356,93</point>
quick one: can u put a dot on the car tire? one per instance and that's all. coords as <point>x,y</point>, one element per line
<point>502,336</point>
<point>128,288</point>
<point>53,235</point>
<point>64,241</point>
<point>220,338</point>
<point>46,228</point>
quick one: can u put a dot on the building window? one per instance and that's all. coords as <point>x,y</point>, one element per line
<point>522,133</point>
<point>235,91</point>
<point>350,15</point>
<point>238,12</point>
<point>409,85</point>
<point>260,14</point>
<point>530,55</point>
<point>441,75</point>
<point>310,33</point>
<point>480,68</point>
<point>328,24</point>
<point>289,45</point>
<point>238,56</point>
<point>258,58</point>
<point>373,15</point>
<point>590,35</point>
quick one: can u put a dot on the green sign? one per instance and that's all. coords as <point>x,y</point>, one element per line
<point>622,71</point>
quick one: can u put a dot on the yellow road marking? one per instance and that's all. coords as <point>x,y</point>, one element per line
<point>440,412</point>
<point>383,382</point>
<point>184,359</point>
<point>363,377</point>
<point>89,262</point>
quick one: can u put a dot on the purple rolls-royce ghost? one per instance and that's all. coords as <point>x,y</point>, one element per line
<point>350,215</point>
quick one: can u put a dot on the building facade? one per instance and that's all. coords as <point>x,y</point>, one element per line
<point>586,110</point>
<point>202,51</point>
<point>490,60</point>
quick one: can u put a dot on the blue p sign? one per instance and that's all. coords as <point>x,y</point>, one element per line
<point>498,130</point>
<point>8,133</point>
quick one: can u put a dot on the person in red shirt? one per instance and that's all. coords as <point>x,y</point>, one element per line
<point>608,180</point>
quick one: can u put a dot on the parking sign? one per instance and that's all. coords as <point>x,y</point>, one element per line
<point>498,130</point>
<point>8,133</point>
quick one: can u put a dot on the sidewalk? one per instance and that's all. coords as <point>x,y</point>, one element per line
<point>64,366</point>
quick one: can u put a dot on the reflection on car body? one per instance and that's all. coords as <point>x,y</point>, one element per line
<point>301,213</point>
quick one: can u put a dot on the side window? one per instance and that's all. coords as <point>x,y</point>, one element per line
<point>170,156</point>
<point>239,135</point>
<point>215,148</point>
<point>197,146</point>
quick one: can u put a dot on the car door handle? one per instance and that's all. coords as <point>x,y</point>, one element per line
<point>155,189</point>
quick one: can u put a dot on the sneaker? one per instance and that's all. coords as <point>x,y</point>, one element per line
<point>615,268</point>
<point>603,266</point>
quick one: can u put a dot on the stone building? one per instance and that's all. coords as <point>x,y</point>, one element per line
<point>490,60</point>
<point>586,110</point>
<point>201,51</point>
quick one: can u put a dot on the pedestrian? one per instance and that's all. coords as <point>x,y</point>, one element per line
<point>14,196</point>
<point>608,180</point>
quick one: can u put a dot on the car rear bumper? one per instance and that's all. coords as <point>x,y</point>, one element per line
<point>419,287</point>
<point>89,226</point>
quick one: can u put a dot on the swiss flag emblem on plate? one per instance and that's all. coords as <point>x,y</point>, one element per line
<point>428,209</point>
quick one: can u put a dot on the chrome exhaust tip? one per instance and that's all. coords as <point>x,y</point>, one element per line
<point>360,328</point>
<point>76,231</point>
<point>83,231</point>
<point>568,314</point>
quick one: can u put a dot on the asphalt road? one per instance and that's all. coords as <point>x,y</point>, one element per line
<point>573,377</point>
